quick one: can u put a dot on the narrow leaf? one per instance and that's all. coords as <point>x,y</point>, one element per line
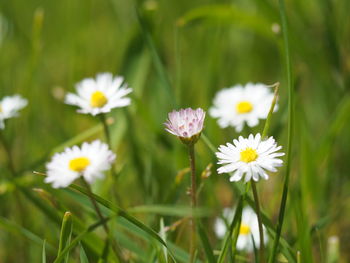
<point>43,255</point>
<point>205,243</point>
<point>65,236</point>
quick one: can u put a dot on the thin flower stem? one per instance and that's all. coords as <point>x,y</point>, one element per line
<point>261,231</point>
<point>94,203</point>
<point>105,226</point>
<point>272,259</point>
<point>193,201</point>
<point>106,130</point>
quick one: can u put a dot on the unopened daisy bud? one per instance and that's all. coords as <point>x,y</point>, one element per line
<point>9,107</point>
<point>100,95</point>
<point>249,158</point>
<point>187,124</point>
<point>89,161</point>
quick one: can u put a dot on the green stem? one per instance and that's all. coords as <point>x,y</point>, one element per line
<point>94,203</point>
<point>290,131</point>
<point>261,231</point>
<point>105,226</point>
<point>105,129</point>
<point>193,200</point>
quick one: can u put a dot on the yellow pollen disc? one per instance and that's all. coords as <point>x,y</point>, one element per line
<point>244,107</point>
<point>244,229</point>
<point>98,99</point>
<point>248,155</point>
<point>79,164</point>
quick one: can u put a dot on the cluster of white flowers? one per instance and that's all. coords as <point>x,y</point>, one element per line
<point>245,159</point>
<point>94,96</point>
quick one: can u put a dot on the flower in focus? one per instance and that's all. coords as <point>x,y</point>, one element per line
<point>100,95</point>
<point>187,124</point>
<point>89,161</point>
<point>250,157</point>
<point>9,107</point>
<point>248,231</point>
<point>238,105</point>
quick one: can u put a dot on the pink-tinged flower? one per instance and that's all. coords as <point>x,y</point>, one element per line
<point>187,124</point>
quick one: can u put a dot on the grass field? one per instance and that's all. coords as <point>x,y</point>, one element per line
<point>174,54</point>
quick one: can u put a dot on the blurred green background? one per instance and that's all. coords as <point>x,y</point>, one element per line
<point>175,54</point>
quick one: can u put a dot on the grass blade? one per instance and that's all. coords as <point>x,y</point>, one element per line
<point>156,58</point>
<point>43,255</point>
<point>205,242</point>
<point>163,236</point>
<point>66,233</point>
<point>290,130</point>
<point>120,212</point>
<point>17,229</point>
<point>76,240</point>
<point>228,237</point>
<point>83,257</point>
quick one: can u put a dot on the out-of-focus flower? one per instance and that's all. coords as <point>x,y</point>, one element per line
<point>187,124</point>
<point>9,107</point>
<point>248,232</point>
<point>100,95</point>
<point>238,105</point>
<point>249,158</point>
<point>89,161</point>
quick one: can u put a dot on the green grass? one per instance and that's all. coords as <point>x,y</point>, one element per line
<point>173,54</point>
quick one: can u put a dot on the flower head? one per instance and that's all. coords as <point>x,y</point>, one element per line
<point>238,105</point>
<point>187,124</point>
<point>9,107</point>
<point>248,232</point>
<point>249,158</point>
<point>100,95</point>
<point>89,161</point>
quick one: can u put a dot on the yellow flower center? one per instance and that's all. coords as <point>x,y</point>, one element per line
<point>98,99</point>
<point>79,164</point>
<point>248,155</point>
<point>244,229</point>
<point>244,107</point>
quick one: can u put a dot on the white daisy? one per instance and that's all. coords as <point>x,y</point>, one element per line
<point>248,232</point>
<point>90,161</point>
<point>250,157</point>
<point>9,107</point>
<point>100,95</point>
<point>187,124</point>
<point>242,104</point>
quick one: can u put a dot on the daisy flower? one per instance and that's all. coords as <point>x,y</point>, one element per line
<point>248,231</point>
<point>9,107</point>
<point>250,158</point>
<point>89,161</point>
<point>187,124</point>
<point>238,105</point>
<point>99,95</point>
